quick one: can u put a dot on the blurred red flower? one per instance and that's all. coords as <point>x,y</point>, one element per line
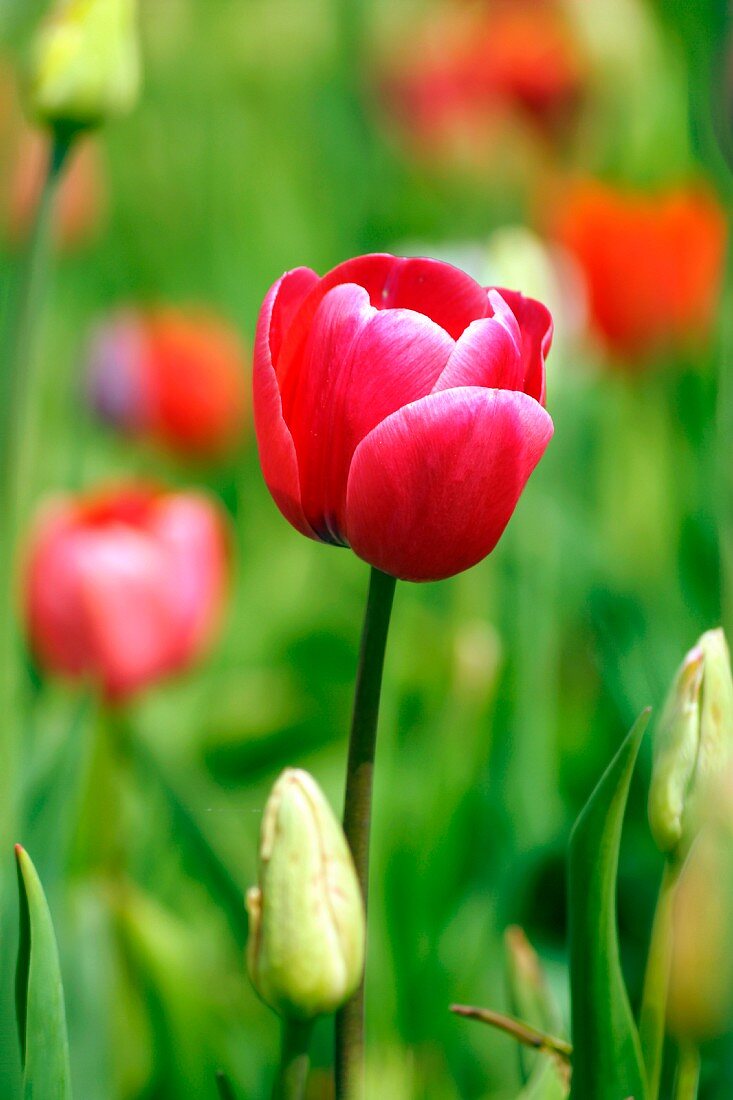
<point>177,377</point>
<point>125,586</point>
<point>467,69</point>
<point>653,264</point>
<point>399,409</point>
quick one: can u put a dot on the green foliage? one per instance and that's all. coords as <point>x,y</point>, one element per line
<point>40,1008</point>
<point>607,1061</point>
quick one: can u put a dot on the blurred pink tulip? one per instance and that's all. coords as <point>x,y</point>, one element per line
<point>125,586</point>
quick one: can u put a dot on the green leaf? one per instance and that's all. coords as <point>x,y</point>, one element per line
<point>607,1062</point>
<point>39,994</point>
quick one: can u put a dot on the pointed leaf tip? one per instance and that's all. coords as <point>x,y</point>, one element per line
<point>39,994</point>
<point>607,1059</point>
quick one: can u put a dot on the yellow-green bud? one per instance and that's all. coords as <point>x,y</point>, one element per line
<point>694,740</point>
<point>307,929</point>
<point>85,64</point>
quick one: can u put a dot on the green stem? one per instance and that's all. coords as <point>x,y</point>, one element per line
<point>656,980</point>
<point>358,810</point>
<point>17,386</point>
<point>294,1060</point>
<point>688,1073</point>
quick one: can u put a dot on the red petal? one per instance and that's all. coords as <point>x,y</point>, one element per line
<point>274,441</point>
<point>487,353</point>
<point>535,323</point>
<point>436,289</point>
<point>432,488</point>
<point>189,528</point>
<point>359,365</point>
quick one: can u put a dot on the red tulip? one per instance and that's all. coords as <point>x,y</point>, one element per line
<point>399,409</point>
<point>653,264</point>
<point>125,587</point>
<point>173,376</point>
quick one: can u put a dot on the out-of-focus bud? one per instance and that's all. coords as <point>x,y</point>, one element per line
<point>694,741</point>
<point>306,943</point>
<point>530,999</point>
<point>85,63</point>
<point>700,1002</point>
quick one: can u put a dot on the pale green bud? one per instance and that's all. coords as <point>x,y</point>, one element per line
<point>85,64</point>
<point>307,928</point>
<point>694,739</point>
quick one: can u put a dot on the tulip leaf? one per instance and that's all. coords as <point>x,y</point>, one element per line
<point>607,1061</point>
<point>39,993</point>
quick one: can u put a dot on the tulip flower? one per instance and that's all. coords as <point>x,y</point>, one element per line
<point>172,376</point>
<point>653,264</point>
<point>399,409</point>
<point>126,586</point>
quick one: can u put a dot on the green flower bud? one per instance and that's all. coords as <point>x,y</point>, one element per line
<point>307,929</point>
<point>694,741</point>
<point>85,63</point>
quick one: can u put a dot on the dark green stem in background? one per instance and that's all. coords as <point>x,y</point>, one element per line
<point>688,1073</point>
<point>358,810</point>
<point>294,1060</point>
<point>656,981</point>
<point>22,313</point>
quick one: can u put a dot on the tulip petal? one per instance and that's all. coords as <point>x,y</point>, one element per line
<point>189,529</point>
<point>275,443</point>
<point>433,486</point>
<point>436,289</point>
<point>360,365</point>
<point>487,354</point>
<point>125,608</point>
<point>535,323</point>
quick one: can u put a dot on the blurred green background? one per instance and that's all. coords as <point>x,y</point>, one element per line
<point>260,144</point>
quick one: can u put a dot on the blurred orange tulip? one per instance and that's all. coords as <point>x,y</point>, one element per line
<point>653,264</point>
<point>178,377</point>
<point>125,586</point>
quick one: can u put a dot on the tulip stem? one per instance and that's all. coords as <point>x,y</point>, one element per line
<point>22,310</point>
<point>656,980</point>
<point>358,810</point>
<point>294,1060</point>
<point>688,1073</point>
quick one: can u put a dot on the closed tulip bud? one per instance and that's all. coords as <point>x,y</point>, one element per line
<point>307,927</point>
<point>694,740</point>
<point>85,64</point>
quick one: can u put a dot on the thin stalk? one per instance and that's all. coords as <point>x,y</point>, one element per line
<point>688,1073</point>
<point>358,810</point>
<point>17,390</point>
<point>294,1060</point>
<point>656,980</point>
